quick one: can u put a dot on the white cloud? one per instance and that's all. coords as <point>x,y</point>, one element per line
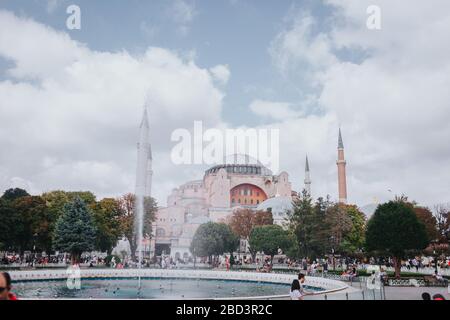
<point>221,73</point>
<point>52,5</point>
<point>70,115</point>
<point>299,47</point>
<point>22,41</point>
<point>274,110</point>
<point>183,13</point>
<point>392,104</point>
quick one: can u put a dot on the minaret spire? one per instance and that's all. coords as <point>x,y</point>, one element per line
<point>144,165</point>
<point>341,164</point>
<point>144,121</point>
<point>340,142</point>
<point>307,177</point>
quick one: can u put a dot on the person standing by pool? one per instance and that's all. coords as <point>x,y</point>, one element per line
<point>301,281</point>
<point>5,287</point>
<point>295,290</point>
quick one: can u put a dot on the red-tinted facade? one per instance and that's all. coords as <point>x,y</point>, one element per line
<point>247,195</point>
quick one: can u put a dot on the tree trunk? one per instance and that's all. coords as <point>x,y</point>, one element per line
<point>133,248</point>
<point>397,267</point>
<point>75,258</point>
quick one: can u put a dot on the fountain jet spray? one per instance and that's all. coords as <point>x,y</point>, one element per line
<point>143,182</point>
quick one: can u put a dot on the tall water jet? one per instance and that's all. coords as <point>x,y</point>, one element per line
<point>143,183</point>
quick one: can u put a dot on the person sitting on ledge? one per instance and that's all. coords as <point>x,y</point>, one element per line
<point>440,278</point>
<point>5,287</point>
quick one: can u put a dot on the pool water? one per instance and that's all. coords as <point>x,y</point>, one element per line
<point>150,289</point>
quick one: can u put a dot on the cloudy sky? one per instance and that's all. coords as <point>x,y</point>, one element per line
<point>71,100</point>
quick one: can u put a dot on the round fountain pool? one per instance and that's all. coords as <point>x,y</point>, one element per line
<point>162,284</point>
<point>151,289</point>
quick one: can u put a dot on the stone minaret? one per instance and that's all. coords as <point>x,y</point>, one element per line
<point>307,177</point>
<point>341,163</point>
<point>144,171</point>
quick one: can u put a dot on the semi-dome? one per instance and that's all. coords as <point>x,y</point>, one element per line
<point>278,206</point>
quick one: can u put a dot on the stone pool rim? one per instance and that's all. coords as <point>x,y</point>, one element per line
<point>328,285</point>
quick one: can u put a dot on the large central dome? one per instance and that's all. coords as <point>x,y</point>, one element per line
<point>241,164</point>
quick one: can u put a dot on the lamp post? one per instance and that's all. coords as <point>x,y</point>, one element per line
<point>332,253</point>
<point>434,244</point>
<point>35,236</point>
<point>195,257</point>
<point>334,260</point>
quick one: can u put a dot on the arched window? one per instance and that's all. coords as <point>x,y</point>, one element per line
<point>247,194</point>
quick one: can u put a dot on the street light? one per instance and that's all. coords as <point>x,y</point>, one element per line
<point>35,236</point>
<point>434,244</point>
<point>334,260</point>
<point>332,252</point>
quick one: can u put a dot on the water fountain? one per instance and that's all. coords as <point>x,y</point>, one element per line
<point>139,232</point>
<point>143,185</point>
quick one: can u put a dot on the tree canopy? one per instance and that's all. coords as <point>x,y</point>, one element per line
<point>127,221</point>
<point>75,231</point>
<point>394,229</point>
<point>242,221</point>
<point>269,239</point>
<point>213,239</point>
<point>13,194</point>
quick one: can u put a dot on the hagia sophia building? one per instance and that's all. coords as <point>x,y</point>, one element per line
<point>222,190</point>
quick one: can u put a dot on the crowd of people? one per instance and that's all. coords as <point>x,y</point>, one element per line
<point>34,260</point>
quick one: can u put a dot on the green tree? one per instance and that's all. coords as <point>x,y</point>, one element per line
<point>127,221</point>
<point>212,240</point>
<point>395,230</point>
<point>10,225</point>
<point>354,239</point>
<point>242,222</point>
<point>87,196</point>
<point>33,223</point>
<point>429,221</point>
<point>321,238</point>
<point>339,224</point>
<point>269,239</point>
<point>302,223</point>
<point>13,194</point>
<point>75,231</point>
<point>106,214</point>
<point>56,201</point>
